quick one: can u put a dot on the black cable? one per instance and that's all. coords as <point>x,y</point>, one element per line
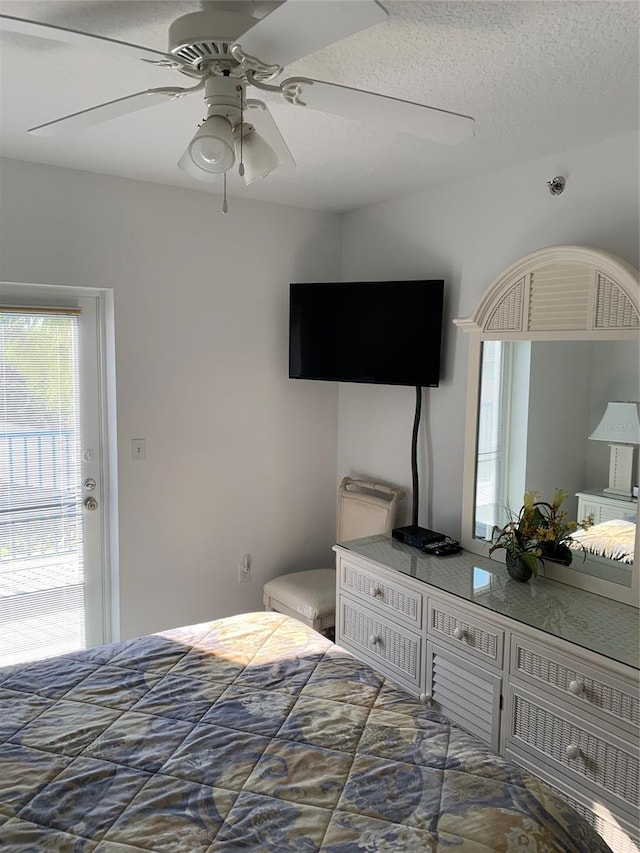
<point>414,455</point>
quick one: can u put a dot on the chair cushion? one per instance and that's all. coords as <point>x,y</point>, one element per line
<point>311,593</point>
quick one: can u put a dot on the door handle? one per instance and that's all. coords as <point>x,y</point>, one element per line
<point>91,504</point>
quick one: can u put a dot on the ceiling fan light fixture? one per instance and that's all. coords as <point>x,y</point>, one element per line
<point>258,156</point>
<point>189,167</point>
<point>211,149</point>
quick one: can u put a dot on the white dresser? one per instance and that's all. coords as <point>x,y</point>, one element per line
<point>547,674</point>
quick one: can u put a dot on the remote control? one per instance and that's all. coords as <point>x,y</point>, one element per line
<point>443,547</point>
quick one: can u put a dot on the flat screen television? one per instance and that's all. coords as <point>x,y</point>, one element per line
<point>380,332</point>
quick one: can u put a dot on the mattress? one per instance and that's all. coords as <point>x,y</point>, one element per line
<point>252,733</point>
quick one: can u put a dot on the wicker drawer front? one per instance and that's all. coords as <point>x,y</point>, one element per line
<point>395,651</point>
<point>394,598</point>
<point>608,763</point>
<point>620,835</point>
<point>469,635</point>
<point>614,699</point>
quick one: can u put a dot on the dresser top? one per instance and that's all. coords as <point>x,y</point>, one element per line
<point>599,624</point>
<point>601,495</point>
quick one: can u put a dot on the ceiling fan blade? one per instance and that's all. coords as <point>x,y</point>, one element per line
<point>390,113</point>
<point>260,117</point>
<point>76,38</point>
<point>110,110</point>
<point>300,27</point>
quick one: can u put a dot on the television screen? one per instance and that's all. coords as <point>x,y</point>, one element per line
<point>382,332</point>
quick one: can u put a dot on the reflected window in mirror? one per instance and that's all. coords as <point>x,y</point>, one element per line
<point>502,432</point>
<point>481,581</point>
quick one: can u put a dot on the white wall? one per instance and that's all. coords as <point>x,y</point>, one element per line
<point>468,233</point>
<point>240,459</point>
<point>557,414</point>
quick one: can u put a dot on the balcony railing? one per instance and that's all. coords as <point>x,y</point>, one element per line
<point>39,494</point>
<point>41,547</point>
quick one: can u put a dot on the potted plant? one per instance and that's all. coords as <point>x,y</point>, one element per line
<point>540,530</point>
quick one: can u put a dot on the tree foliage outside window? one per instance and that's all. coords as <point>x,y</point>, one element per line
<point>36,358</point>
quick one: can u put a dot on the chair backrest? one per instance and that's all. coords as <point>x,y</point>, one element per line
<point>366,509</point>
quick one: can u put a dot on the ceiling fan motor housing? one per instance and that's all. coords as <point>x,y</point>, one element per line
<point>223,96</point>
<point>202,37</point>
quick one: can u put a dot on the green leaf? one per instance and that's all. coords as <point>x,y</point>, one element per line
<point>531,561</point>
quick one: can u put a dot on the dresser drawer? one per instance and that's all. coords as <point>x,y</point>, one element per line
<point>393,650</point>
<point>621,835</point>
<point>390,597</point>
<point>574,746</point>
<point>468,635</point>
<point>581,687</point>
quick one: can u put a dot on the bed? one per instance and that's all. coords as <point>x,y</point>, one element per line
<point>252,733</point>
<point>612,539</point>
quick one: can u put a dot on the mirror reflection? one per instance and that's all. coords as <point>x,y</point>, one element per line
<point>541,410</point>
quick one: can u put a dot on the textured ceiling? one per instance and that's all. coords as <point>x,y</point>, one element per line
<point>538,77</point>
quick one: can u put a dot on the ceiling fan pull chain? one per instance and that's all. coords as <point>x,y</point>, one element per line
<point>241,165</point>
<point>225,206</point>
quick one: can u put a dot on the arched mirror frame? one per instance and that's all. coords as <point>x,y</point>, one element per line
<point>558,293</point>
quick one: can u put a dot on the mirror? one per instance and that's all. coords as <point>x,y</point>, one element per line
<point>553,341</point>
<point>539,403</point>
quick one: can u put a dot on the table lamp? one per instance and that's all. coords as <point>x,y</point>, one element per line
<point>620,427</point>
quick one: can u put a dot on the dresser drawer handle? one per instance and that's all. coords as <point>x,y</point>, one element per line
<point>426,699</point>
<point>376,591</point>
<point>572,751</point>
<point>576,687</point>
<point>374,639</point>
<point>459,633</point>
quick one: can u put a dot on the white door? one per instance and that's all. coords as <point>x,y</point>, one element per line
<point>53,584</point>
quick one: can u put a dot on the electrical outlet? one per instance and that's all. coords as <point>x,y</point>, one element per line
<point>245,569</point>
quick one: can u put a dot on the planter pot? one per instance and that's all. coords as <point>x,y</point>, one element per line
<point>518,570</point>
<point>557,553</point>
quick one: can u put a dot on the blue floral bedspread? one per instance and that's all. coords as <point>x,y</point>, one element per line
<point>252,733</point>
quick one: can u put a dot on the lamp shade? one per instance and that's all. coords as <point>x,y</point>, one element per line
<point>211,149</point>
<point>620,424</point>
<point>258,156</point>
<point>189,167</point>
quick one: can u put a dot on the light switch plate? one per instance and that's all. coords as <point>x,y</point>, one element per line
<point>138,450</point>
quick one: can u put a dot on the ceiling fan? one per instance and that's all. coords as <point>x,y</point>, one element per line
<point>227,53</point>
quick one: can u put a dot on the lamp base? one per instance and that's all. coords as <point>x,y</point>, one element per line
<point>620,470</point>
